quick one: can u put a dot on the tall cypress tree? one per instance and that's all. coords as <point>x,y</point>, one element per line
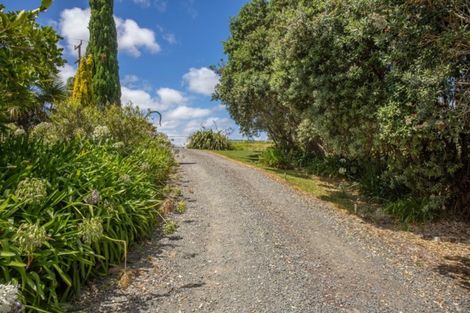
<point>103,48</point>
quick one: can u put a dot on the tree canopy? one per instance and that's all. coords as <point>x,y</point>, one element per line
<point>378,82</point>
<point>29,57</point>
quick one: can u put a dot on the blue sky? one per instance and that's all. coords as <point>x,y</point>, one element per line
<point>165,49</point>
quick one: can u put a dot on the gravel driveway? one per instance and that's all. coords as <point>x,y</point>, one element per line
<point>250,244</point>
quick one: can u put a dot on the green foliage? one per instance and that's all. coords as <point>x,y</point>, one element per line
<point>410,210</point>
<point>245,80</point>
<point>208,139</point>
<point>74,193</point>
<point>181,207</point>
<point>170,227</point>
<point>29,56</point>
<point>64,205</point>
<point>250,145</point>
<point>383,84</point>
<point>127,125</point>
<point>103,47</point>
<point>273,157</point>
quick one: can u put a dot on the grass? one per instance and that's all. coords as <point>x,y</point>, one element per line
<point>246,151</point>
<point>335,191</point>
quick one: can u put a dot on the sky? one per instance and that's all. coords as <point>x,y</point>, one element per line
<point>165,50</point>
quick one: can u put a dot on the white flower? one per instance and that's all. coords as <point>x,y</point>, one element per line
<point>9,302</point>
<point>19,132</point>
<point>118,145</point>
<point>32,191</point>
<point>90,230</point>
<point>125,178</point>
<point>79,133</point>
<point>94,197</point>
<point>46,132</point>
<point>101,132</point>
<point>342,170</point>
<point>29,237</point>
<point>145,167</point>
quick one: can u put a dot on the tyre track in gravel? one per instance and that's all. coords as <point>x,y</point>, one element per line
<point>250,244</point>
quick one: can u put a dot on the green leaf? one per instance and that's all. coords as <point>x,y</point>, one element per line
<point>21,17</point>
<point>62,274</point>
<point>16,264</point>
<point>7,254</point>
<point>45,4</point>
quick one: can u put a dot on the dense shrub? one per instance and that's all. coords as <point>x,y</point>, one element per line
<point>384,83</point>
<point>29,57</point>
<point>208,139</point>
<point>70,207</point>
<point>273,157</point>
<point>127,124</point>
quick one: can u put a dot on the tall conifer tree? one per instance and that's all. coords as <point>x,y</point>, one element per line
<point>103,48</point>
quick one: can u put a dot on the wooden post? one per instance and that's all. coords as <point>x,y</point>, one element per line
<point>79,48</point>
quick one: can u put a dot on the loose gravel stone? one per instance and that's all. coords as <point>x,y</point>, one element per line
<point>250,244</point>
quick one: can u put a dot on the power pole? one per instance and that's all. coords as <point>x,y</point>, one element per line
<point>79,48</point>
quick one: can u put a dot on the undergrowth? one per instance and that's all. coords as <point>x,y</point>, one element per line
<point>74,194</point>
<point>208,139</point>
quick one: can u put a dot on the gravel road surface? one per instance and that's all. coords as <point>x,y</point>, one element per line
<point>250,244</point>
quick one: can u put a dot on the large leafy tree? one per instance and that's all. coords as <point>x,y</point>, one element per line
<point>328,66</point>
<point>103,47</point>
<point>245,85</point>
<point>29,58</point>
<point>378,82</point>
<point>425,122</point>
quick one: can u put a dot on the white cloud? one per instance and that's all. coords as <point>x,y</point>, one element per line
<point>167,36</point>
<point>139,98</point>
<point>218,123</point>
<point>186,113</point>
<point>179,130</point>
<point>170,97</point>
<point>66,71</point>
<point>201,80</point>
<point>132,38</point>
<point>165,98</point>
<point>73,27</point>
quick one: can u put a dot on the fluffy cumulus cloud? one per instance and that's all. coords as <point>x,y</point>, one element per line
<point>73,26</point>
<point>171,97</point>
<point>201,80</point>
<point>132,38</point>
<point>164,98</point>
<point>180,117</point>
<point>140,98</point>
<point>187,113</point>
